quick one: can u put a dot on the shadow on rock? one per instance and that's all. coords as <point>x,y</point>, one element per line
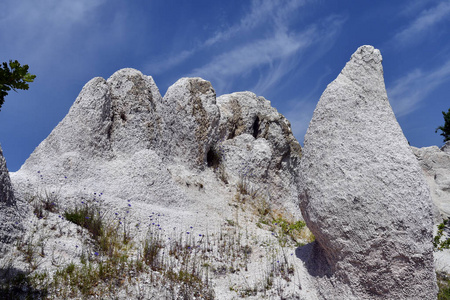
<point>315,262</point>
<point>16,284</point>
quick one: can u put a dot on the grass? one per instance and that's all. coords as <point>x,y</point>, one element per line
<point>443,281</point>
<point>178,263</point>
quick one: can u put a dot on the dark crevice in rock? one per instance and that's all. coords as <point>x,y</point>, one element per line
<point>256,127</point>
<point>213,158</point>
<point>123,116</point>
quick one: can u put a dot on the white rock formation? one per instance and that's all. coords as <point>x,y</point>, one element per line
<point>10,225</point>
<point>122,139</point>
<point>191,114</point>
<point>363,194</point>
<point>257,143</point>
<point>435,165</point>
<point>446,147</point>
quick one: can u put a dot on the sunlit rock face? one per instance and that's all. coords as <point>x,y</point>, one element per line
<point>123,139</point>
<point>362,193</point>
<point>10,225</point>
<point>257,143</point>
<point>435,165</point>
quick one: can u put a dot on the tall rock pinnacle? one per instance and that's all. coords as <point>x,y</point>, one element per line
<point>362,193</point>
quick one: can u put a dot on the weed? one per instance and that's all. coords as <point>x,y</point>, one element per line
<point>88,216</point>
<point>438,243</point>
<point>443,281</point>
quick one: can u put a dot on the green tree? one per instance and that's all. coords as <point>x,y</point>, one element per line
<point>446,128</point>
<point>13,76</point>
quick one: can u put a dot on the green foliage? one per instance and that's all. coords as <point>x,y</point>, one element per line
<point>438,243</point>
<point>443,282</point>
<point>87,215</point>
<point>446,128</point>
<point>15,77</point>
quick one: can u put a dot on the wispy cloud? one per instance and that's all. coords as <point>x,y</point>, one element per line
<point>261,13</point>
<point>408,92</point>
<point>275,55</point>
<point>423,24</point>
<point>321,36</point>
<point>47,25</point>
<point>244,58</point>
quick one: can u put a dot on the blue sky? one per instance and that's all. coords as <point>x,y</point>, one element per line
<point>287,51</point>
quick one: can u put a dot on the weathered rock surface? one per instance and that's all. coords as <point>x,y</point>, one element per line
<point>191,114</point>
<point>446,147</point>
<point>10,225</point>
<point>435,165</point>
<point>121,138</point>
<point>363,194</point>
<point>257,144</point>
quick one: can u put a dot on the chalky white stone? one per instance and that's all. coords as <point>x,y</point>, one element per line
<point>10,220</point>
<point>363,194</point>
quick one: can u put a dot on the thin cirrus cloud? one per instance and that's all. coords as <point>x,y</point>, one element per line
<point>418,28</point>
<point>409,91</point>
<point>261,12</point>
<point>47,25</point>
<point>244,58</point>
<point>281,53</point>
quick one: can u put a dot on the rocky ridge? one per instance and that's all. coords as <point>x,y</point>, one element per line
<point>191,162</point>
<point>123,139</point>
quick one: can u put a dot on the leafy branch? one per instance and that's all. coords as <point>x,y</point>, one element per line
<point>14,77</point>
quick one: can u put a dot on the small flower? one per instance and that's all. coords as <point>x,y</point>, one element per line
<point>187,232</point>
<point>129,205</point>
<point>96,253</point>
<point>129,200</point>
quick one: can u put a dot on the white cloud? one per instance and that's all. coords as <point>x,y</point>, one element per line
<point>245,57</point>
<point>423,23</point>
<point>262,12</point>
<point>281,53</point>
<point>45,25</point>
<point>409,91</point>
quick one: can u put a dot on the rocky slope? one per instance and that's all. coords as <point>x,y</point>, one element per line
<point>122,139</point>
<point>138,196</point>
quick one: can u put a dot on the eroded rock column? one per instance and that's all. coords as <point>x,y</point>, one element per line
<point>362,193</point>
